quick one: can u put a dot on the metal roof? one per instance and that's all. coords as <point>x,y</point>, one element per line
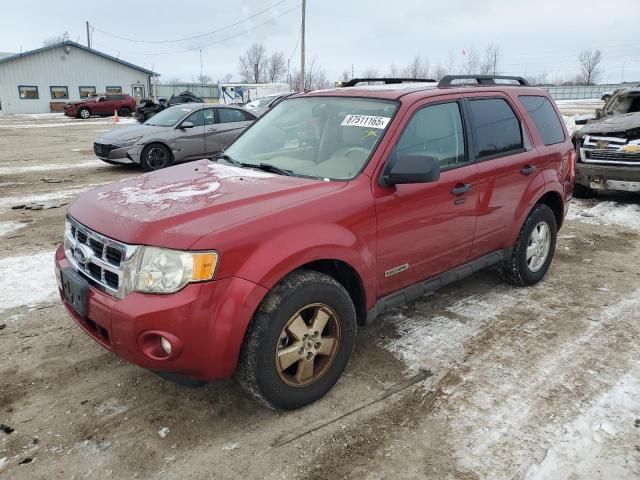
<point>82,47</point>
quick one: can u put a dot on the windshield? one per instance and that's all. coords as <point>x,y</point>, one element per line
<point>168,117</point>
<point>324,137</point>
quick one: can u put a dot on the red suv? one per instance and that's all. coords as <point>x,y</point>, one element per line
<point>332,208</point>
<point>103,105</point>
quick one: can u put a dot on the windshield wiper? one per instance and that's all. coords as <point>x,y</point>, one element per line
<point>267,167</point>
<point>228,159</point>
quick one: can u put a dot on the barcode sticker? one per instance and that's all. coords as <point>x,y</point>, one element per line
<point>368,121</point>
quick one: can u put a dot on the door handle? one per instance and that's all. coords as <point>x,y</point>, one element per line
<point>527,170</point>
<point>460,189</point>
<point>212,129</point>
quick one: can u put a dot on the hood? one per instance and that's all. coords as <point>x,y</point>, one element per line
<point>129,131</point>
<point>613,123</point>
<point>176,206</point>
<point>76,102</point>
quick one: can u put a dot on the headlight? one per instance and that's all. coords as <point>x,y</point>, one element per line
<point>166,271</point>
<point>130,141</point>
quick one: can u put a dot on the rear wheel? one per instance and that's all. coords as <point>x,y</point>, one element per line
<point>124,112</point>
<point>534,248</point>
<point>299,341</point>
<point>84,113</point>
<point>155,157</point>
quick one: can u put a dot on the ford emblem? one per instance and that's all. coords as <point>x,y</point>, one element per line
<point>82,254</point>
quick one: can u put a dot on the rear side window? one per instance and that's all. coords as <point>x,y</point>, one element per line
<point>545,118</point>
<point>497,128</point>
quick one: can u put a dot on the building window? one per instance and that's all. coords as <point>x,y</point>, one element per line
<point>112,90</point>
<point>59,93</point>
<point>28,92</point>
<point>86,92</point>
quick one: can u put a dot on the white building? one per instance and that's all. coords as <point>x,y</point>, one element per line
<point>43,80</point>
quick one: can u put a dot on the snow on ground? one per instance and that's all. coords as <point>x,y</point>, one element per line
<point>7,228</point>
<point>46,199</point>
<point>606,213</point>
<point>581,101</point>
<point>20,274</point>
<point>12,169</point>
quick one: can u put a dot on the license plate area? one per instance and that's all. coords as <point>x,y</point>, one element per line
<point>75,290</point>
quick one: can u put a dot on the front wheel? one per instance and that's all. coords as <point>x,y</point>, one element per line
<point>299,341</point>
<point>534,248</point>
<point>155,157</point>
<point>84,113</point>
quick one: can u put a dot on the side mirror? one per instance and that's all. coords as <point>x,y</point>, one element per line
<point>410,168</point>
<point>186,125</point>
<point>583,119</point>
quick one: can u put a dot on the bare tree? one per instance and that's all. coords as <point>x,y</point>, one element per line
<point>169,81</point>
<point>418,68</point>
<point>345,76</point>
<point>439,72</point>
<point>489,64</point>
<point>315,77</point>
<point>277,67</point>
<point>538,78</point>
<point>227,78</point>
<point>451,63</point>
<point>589,61</point>
<point>471,62</point>
<point>253,65</point>
<point>204,79</point>
<point>55,39</point>
<point>394,71</point>
<point>370,73</point>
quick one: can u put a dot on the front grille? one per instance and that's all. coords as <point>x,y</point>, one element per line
<point>610,150</point>
<point>102,260</point>
<point>102,150</point>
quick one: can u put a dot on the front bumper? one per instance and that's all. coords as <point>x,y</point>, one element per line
<point>586,173</point>
<point>209,319</point>
<point>118,154</point>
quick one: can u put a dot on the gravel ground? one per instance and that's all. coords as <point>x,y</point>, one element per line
<point>478,381</point>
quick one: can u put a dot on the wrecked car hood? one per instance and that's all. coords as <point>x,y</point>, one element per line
<point>613,123</point>
<point>176,206</point>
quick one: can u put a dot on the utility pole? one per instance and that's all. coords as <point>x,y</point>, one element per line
<point>88,35</point>
<point>304,8</point>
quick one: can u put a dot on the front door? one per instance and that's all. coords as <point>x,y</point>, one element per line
<point>103,106</point>
<point>189,142</point>
<point>426,229</point>
<point>230,122</point>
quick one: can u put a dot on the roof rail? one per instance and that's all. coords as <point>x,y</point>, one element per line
<point>447,80</point>
<point>387,81</point>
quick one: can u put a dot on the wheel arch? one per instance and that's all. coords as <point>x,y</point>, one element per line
<point>158,142</point>
<point>554,201</point>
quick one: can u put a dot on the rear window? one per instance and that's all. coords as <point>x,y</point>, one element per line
<point>545,118</point>
<point>497,128</point>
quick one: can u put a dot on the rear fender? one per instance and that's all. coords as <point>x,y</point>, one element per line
<point>537,189</point>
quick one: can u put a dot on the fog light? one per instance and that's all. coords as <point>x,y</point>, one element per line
<point>166,345</point>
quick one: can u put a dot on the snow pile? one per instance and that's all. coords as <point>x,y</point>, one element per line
<point>606,213</point>
<point>3,463</point>
<point>163,432</point>
<point>224,172</point>
<point>27,280</point>
<point>12,169</point>
<point>159,196</point>
<point>47,199</point>
<point>7,228</point>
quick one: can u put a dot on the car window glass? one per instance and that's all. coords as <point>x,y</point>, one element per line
<point>497,128</point>
<point>228,115</point>
<point>209,116</point>
<point>435,131</point>
<point>545,118</point>
<point>197,118</point>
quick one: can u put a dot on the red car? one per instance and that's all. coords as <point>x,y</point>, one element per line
<point>103,105</point>
<point>331,209</point>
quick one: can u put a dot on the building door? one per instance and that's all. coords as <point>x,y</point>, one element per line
<point>138,92</point>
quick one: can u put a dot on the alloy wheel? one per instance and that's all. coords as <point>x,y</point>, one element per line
<point>538,246</point>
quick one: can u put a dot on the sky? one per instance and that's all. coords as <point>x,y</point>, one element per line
<point>534,37</point>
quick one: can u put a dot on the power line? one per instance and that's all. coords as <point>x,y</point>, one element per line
<point>194,36</point>
<point>206,45</point>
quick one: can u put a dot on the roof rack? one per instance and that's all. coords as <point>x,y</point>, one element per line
<point>387,81</point>
<point>447,80</point>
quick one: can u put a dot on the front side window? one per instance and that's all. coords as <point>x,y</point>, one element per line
<point>229,115</point>
<point>113,90</point>
<point>28,92</point>
<point>59,93</point>
<point>168,117</point>
<point>197,118</point>
<point>497,128</point>
<point>435,131</point>
<point>86,92</point>
<point>545,118</point>
<point>321,137</point>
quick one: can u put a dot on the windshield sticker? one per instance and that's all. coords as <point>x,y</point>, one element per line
<point>365,121</point>
<point>370,133</point>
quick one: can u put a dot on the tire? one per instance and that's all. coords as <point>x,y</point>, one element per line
<point>520,270</point>
<point>305,295</point>
<point>124,112</point>
<point>155,157</point>
<point>580,191</point>
<point>84,113</point>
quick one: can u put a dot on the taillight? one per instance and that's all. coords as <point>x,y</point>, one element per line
<point>569,163</point>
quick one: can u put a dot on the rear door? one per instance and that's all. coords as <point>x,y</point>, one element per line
<point>426,229</point>
<point>507,164</point>
<point>189,142</point>
<point>230,122</point>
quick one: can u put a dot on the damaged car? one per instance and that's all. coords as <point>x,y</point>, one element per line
<point>148,108</point>
<point>608,146</point>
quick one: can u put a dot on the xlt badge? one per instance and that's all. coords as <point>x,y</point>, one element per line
<point>395,270</point>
